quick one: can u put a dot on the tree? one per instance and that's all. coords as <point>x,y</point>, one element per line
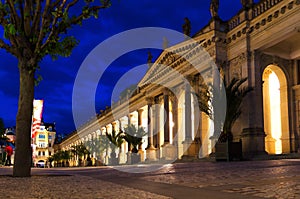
<point>33,30</point>
<point>210,99</point>
<point>100,144</point>
<point>2,128</point>
<point>134,136</point>
<point>115,139</point>
<point>79,151</point>
<point>234,98</point>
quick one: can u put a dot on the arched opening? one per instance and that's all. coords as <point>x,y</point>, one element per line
<point>275,102</point>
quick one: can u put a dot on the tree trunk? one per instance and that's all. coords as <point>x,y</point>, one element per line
<point>23,151</point>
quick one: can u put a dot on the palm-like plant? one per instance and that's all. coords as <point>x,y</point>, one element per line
<point>210,100</point>
<point>235,95</point>
<point>65,156</point>
<point>79,151</point>
<point>134,136</point>
<point>115,139</point>
<point>50,159</point>
<point>101,144</point>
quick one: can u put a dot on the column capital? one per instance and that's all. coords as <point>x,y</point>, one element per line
<point>165,91</point>
<point>190,78</point>
<point>149,100</point>
<point>140,110</point>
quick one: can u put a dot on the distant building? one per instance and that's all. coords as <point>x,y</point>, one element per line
<point>43,143</point>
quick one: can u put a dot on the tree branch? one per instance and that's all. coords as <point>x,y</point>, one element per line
<point>14,16</point>
<point>70,5</point>
<point>56,31</point>
<point>54,24</point>
<point>45,20</point>
<point>27,17</point>
<point>6,47</point>
<point>37,17</point>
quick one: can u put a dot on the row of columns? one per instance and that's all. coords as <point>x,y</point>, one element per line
<point>169,102</point>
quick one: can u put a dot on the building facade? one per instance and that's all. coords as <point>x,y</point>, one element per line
<point>262,43</point>
<point>43,143</point>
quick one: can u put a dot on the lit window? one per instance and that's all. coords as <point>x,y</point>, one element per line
<point>42,136</point>
<point>42,144</point>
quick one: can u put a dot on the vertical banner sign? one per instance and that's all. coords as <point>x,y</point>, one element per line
<point>36,116</point>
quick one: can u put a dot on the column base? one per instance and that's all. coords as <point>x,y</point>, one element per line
<point>122,157</point>
<point>191,149</point>
<point>169,152</point>
<point>151,154</point>
<point>128,157</point>
<point>141,152</point>
<point>253,140</point>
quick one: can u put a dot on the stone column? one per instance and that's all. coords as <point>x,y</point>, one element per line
<point>113,125</point>
<point>253,136</point>
<point>168,150</point>
<point>140,149</point>
<point>149,122</point>
<point>166,117</point>
<point>128,145</point>
<point>197,113</point>
<point>120,124</point>
<point>151,155</point>
<point>187,119</point>
<point>297,117</point>
<point>188,113</point>
<point>129,119</point>
<point>140,111</point>
<point>156,122</point>
<point>174,101</point>
<point>190,146</point>
<point>122,154</point>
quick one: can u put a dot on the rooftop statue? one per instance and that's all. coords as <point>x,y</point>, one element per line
<point>247,3</point>
<point>186,27</point>
<point>165,43</point>
<point>214,7</point>
<point>149,60</point>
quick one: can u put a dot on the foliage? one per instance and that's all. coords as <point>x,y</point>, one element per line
<point>204,98</point>
<point>235,95</point>
<point>79,150</point>
<point>33,30</point>
<point>60,156</point>
<point>115,139</point>
<point>134,136</point>
<point>210,99</point>
<point>2,128</point>
<point>97,145</point>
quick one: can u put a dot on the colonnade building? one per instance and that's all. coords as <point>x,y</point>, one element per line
<point>261,42</point>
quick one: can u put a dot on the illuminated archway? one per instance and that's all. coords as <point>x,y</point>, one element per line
<point>275,102</point>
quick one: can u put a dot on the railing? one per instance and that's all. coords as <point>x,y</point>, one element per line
<point>264,6</point>
<point>257,10</point>
<point>234,22</point>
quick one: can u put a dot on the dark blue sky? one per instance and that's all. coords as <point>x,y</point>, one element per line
<point>58,76</point>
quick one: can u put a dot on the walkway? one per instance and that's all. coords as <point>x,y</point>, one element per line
<point>253,179</point>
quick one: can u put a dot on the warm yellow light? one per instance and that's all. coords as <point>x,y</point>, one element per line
<point>274,90</point>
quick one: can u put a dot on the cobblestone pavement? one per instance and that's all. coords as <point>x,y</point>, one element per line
<point>248,179</point>
<point>265,179</point>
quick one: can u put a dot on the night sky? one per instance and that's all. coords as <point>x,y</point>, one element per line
<point>58,76</point>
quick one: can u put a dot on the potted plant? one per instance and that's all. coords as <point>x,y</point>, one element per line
<point>79,152</point>
<point>226,149</point>
<point>101,145</point>
<point>116,140</point>
<point>134,137</point>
